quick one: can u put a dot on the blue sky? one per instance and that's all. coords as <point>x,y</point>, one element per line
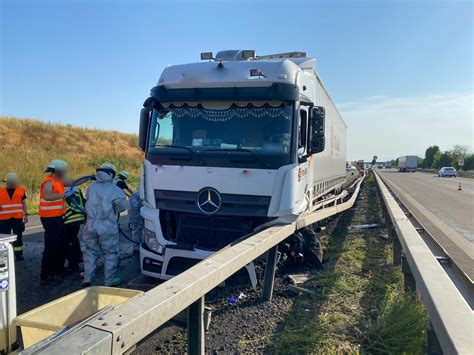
<point>392,67</point>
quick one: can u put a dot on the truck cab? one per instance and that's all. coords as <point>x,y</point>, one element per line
<point>229,146</point>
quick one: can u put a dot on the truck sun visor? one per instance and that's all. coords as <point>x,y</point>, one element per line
<point>276,91</point>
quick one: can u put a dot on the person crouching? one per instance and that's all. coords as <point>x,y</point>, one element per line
<point>105,202</point>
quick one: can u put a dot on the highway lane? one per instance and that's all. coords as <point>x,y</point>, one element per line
<point>441,197</point>
<point>445,212</point>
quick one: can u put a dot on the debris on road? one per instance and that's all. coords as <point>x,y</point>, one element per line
<point>297,279</point>
<point>368,226</point>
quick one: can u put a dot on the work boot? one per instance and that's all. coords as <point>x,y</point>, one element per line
<point>19,257</point>
<point>115,282</point>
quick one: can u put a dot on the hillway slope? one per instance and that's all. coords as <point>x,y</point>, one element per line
<point>29,145</point>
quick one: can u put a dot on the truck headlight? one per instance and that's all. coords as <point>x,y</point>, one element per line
<point>151,242</point>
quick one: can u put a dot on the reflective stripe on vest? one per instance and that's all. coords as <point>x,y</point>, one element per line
<point>52,208</point>
<point>11,207</point>
<point>74,213</point>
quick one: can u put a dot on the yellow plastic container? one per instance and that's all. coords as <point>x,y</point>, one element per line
<point>43,321</point>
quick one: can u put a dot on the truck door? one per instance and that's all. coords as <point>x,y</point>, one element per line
<point>304,160</point>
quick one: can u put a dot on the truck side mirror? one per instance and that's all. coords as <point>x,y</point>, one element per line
<point>317,124</point>
<point>143,130</point>
<point>145,122</point>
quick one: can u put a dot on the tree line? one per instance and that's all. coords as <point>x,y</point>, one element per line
<point>436,159</point>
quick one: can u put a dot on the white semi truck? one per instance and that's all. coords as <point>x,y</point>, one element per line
<point>407,163</point>
<point>232,143</point>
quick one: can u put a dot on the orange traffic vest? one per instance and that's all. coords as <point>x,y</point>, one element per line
<point>52,208</point>
<point>11,207</point>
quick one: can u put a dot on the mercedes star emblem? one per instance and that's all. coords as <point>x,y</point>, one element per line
<point>208,201</point>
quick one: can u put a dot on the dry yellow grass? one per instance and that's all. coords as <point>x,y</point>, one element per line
<point>28,145</point>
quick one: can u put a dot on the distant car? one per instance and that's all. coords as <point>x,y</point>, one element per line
<point>351,169</point>
<point>447,171</point>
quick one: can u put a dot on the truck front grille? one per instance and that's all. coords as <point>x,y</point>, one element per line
<point>232,204</point>
<point>206,232</point>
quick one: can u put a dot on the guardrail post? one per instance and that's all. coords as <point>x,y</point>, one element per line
<point>433,347</point>
<point>269,278</point>
<point>196,327</point>
<point>408,279</point>
<point>396,248</point>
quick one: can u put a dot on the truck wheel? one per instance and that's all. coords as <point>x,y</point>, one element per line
<point>312,250</point>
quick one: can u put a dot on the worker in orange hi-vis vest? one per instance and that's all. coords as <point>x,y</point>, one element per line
<point>13,212</point>
<point>51,210</point>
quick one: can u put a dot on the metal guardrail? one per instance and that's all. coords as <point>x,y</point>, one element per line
<point>123,327</point>
<point>449,312</point>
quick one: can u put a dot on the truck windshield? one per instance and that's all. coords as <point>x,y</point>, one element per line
<point>260,131</point>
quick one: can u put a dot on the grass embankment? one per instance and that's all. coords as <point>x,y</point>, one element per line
<point>361,306</point>
<point>29,145</point>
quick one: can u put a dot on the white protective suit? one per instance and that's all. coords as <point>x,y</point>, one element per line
<point>135,221</point>
<point>101,236</point>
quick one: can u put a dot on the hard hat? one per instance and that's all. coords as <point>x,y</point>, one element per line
<point>10,177</point>
<point>108,166</point>
<point>123,174</point>
<point>56,165</point>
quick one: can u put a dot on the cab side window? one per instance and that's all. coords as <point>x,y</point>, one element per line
<point>302,129</point>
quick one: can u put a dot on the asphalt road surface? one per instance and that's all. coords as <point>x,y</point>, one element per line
<point>441,197</point>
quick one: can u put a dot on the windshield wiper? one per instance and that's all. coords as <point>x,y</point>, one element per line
<point>255,156</point>
<point>193,153</point>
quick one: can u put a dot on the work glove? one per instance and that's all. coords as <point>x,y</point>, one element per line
<point>69,193</point>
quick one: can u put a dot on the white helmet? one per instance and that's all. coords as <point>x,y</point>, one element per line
<point>109,168</point>
<point>123,174</point>
<point>56,165</point>
<point>11,177</point>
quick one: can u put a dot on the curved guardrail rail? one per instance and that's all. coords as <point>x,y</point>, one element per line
<point>122,328</point>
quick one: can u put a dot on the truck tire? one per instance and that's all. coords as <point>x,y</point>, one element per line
<point>312,249</point>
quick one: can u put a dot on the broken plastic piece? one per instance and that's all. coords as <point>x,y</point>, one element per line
<point>368,226</point>
<point>232,299</point>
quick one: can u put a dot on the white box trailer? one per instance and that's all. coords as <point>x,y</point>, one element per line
<point>408,163</point>
<point>232,143</point>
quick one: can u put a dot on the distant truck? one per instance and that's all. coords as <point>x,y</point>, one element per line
<point>407,163</point>
<point>388,165</point>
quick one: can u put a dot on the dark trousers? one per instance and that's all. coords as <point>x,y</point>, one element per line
<point>53,254</point>
<point>15,226</point>
<point>72,246</point>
